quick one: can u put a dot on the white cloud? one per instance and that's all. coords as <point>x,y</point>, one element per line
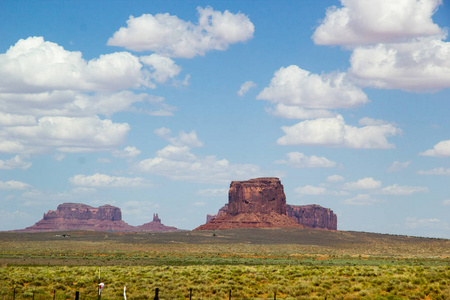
<point>65,134</point>
<point>127,152</point>
<point>14,185</point>
<point>213,192</point>
<point>104,181</point>
<point>366,121</point>
<point>399,190</point>
<point>367,183</point>
<point>441,149</point>
<point>414,223</point>
<point>317,191</point>
<point>335,178</point>
<point>168,35</point>
<point>419,65</point>
<point>397,166</point>
<point>15,162</point>
<point>377,21</point>
<point>294,86</point>
<point>300,160</point>
<point>436,171</point>
<point>294,112</point>
<point>334,132</point>
<point>245,87</point>
<point>362,200</point>
<point>446,202</point>
<point>177,162</point>
<point>35,65</point>
<point>163,67</point>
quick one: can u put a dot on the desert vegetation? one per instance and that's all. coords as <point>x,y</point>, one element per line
<point>252,264</point>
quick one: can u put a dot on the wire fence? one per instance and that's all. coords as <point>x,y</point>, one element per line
<point>31,294</point>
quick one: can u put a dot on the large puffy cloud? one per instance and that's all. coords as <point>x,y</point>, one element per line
<point>334,132</point>
<point>300,160</point>
<point>98,180</point>
<point>177,162</point>
<point>35,65</point>
<point>294,86</point>
<point>65,134</point>
<point>168,35</point>
<point>422,64</point>
<point>377,21</point>
<point>441,149</point>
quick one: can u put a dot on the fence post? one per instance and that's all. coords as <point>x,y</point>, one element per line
<point>77,295</point>
<point>156,294</point>
<point>54,294</point>
<point>190,294</point>
<point>33,294</point>
<point>14,293</point>
<point>229,295</point>
<point>275,295</point>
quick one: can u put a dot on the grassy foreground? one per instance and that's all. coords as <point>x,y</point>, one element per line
<point>253,264</point>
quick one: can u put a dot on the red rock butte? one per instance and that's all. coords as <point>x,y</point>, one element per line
<point>261,203</point>
<point>77,216</point>
<point>255,203</point>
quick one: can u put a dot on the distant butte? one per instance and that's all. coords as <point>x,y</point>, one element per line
<point>77,216</point>
<point>261,203</point>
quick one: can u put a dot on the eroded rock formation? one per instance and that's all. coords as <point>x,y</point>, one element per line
<point>255,203</point>
<point>313,216</point>
<point>261,203</point>
<point>76,216</point>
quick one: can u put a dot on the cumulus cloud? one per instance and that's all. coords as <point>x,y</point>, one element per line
<point>294,86</point>
<point>245,87</point>
<point>333,132</point>
<point>446,202</point>
<point>399,190</point>
<point>105,181</point>
<point>64,134</point>
<point>300,160</point>
<point>419,65</point>
<point>127,152</point>
<point>163,67</point>
<point>377,21</point>
<point>435,171</point>
<point>361,200</point>
<point>15,162</point>
<point>367,183</point>
<point>52,99</point>
<point>177,162</point>
<point>335,178</point>
<point>14,185</point>
<point>441,149</point>
<point>397,166</point>
<point>170,36</point>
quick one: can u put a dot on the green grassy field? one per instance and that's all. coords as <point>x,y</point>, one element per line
<point>252,263</point>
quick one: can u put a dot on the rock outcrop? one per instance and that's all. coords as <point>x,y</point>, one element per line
<point>313,216</point>
<point>76,216</point>
<point>255,203</point>
<point>155,225</point>
<point>261,202</point>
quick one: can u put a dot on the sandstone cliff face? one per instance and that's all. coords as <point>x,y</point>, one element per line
<point>313,216</point>
<point>255,203</point>
<point>261,195</point>
<point>76,216</point>
<point>221,211</point>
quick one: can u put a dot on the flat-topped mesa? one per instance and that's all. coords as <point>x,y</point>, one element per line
<point>313,216</point>
<point>78,211</point>
<point>260,195</point>
<point>255,203</point>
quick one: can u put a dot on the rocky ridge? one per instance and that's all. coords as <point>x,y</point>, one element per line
<point>261,203</point>
<point>77,216</point>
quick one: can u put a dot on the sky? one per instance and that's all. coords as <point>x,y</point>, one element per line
<point>156,106</point>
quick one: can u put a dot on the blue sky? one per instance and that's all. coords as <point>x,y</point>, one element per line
<point>156,106</point>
